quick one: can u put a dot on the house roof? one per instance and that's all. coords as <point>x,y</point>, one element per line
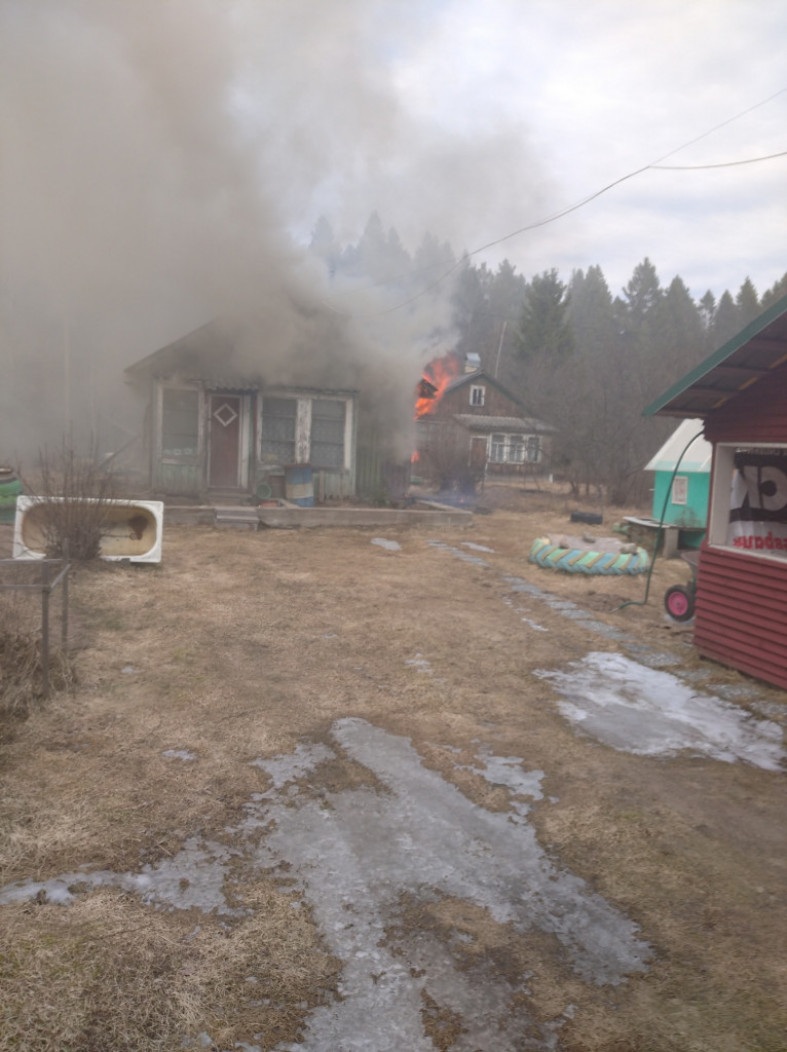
<point>525,425</point>
<point>206,350</point>
<point>697,457</point>
<point>475,377</point>
<point>746,359</point>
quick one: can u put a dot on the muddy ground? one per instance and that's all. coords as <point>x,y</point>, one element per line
<point>230,700</point>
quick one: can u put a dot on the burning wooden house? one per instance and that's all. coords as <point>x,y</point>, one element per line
<point>469,426</point>
<point>740,393</point>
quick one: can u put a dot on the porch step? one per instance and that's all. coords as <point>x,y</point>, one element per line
<point>237,518</point>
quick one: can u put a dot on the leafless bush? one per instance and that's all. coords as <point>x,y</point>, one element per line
<point>73,492</point>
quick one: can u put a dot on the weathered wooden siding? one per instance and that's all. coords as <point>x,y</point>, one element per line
<point>495,402</point>
<point>177,479</point>
<point>741,615</point>
<point>758,414</point>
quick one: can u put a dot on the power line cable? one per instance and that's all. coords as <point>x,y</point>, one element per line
<point>654,165</point>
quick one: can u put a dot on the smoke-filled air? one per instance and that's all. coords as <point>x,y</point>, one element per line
<point>164,163</point>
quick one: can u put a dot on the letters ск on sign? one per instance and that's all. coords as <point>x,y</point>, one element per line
<point>758,502</point>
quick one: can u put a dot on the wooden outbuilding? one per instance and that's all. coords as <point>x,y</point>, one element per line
<point>740,393</point>
<point>681,482</point>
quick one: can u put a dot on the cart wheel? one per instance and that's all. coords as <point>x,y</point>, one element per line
<point>679,603</point>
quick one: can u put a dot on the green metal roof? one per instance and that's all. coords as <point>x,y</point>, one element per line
<point>746,359</point>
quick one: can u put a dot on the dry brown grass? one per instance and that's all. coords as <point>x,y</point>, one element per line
<point>241,645</point>
<point>21,669</point>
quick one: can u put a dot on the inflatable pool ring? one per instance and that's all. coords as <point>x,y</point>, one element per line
<point>553,555</point>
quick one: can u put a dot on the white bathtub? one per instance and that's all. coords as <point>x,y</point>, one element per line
<point>132,532</point>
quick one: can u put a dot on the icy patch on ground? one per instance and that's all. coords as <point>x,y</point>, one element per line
<point>507,771</point>
<point>361,859</point>
<point>284,769</point>
<point>650,712</point>
<point>179,754</point>
<point>391,546</point>
<point>477,547</point>
<point>358,853</point>
<point>194,878</point>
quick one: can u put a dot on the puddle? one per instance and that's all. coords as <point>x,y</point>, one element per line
<point>391,546</point>
<point>359,855</point>
<point>649,712</point>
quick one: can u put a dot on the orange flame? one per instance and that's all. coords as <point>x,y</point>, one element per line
<point>437,376</point>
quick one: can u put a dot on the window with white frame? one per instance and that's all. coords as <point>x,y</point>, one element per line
<point>497,448</point>
<point>477,394</point>
<point>748,506</point>
<point>516,449</point>
<point>301,428</point>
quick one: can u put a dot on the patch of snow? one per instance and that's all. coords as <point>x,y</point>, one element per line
<point>419,663</point>
<point>194,877</point>
<point>391,546</point>
<point>285,769</point>
<point>362,855</point>
<point>179,754</point>
<point>507,771</point>
<point>534,624</point>
<point>477,547</point>
<point>650,712</point>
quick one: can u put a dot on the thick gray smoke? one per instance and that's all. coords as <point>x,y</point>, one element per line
<point>163,159</point>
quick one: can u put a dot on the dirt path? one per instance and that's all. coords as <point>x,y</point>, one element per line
<point>341,771</point>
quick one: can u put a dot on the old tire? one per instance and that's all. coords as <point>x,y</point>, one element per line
<point>582,560</point>
<point>679,603</point>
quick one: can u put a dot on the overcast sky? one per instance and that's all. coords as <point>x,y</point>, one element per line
<point>159,155</point>
<point>517,109</point>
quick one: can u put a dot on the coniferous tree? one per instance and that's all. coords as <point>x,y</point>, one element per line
<point>707,308</point>
<point>747,303</point>
<point>544,328</point>
<point>725,320</point>
<point>641,295</point>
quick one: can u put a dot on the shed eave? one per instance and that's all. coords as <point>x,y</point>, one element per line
<point>715,380</point>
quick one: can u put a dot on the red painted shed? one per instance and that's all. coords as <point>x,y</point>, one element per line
<point>740,392</point>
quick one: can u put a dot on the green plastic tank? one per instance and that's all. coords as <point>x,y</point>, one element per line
<point>10,488</point>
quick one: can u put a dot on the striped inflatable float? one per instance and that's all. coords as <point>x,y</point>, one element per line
<point>545,552</point>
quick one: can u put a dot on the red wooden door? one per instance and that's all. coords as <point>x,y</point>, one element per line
<point>224,440</point>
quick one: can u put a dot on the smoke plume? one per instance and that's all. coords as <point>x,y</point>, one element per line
<point>162,162</point>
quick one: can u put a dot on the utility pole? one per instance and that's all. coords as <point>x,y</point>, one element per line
<point>500,347</point>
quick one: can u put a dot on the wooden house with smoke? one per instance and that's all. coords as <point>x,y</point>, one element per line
<point>221,425</point>
<point>740,394</point>
<point>470,427</point>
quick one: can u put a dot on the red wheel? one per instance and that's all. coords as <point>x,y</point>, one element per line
<point>679,603</point>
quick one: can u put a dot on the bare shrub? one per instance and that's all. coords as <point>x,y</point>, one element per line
<point>73,491</point>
